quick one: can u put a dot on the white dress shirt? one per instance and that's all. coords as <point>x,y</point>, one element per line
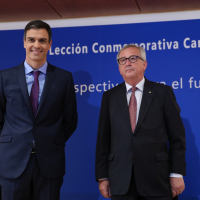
<point>138,95</point>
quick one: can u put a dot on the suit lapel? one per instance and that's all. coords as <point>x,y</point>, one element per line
<point>48,82</point>
<point>147,97</point>
<point>122,100</point>
<point>22,83</point>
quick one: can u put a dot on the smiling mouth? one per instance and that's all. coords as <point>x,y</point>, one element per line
<point>36,52</point>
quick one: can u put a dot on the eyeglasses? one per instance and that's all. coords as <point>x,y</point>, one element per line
<point>132,59</point>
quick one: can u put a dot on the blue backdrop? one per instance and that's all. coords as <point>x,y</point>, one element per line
<point>89,52</point>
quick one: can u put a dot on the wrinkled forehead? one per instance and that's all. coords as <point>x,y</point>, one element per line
<point>129,51</point>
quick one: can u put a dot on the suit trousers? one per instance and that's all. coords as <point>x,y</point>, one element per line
<point>133,194</point>
<point>31,185</point>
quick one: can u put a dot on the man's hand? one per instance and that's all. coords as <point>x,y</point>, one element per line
<point>177,185</point>
<point>104,188</point>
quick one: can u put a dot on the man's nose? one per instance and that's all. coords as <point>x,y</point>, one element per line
<point>128,62</point>
<point>36,44</point>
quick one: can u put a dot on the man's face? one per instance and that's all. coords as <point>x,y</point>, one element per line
<point>132,71</point>
<point>37,45</point>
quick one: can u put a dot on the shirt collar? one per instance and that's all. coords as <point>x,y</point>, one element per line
<point>140,85</point>
<point>29,69</point>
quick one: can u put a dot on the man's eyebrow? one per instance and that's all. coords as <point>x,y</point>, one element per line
<point>30,37</point>
<point>43,39</point>
<point>128,57</point>
<point>39,38</point>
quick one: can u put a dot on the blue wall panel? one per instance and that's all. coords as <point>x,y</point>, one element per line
<point>173,50</point>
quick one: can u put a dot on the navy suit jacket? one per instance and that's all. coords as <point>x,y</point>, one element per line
<point>54,123</point>
<point>146,150</point>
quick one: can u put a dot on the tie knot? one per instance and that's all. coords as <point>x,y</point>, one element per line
<point>36,74</point>
<point>134,89</point>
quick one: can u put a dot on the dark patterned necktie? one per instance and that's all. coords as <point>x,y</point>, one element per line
<point>133,109</point>
<point>35,92</point>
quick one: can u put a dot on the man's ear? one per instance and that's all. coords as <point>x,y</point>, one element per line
<point>144,65</point>
<point>24,43</point>
<point>119,70</point>
<point>50,43</point>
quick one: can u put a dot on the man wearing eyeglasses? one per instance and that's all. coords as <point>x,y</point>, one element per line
<point>140,152</point>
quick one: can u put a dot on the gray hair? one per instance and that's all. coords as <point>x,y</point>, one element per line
<point>141,49</point>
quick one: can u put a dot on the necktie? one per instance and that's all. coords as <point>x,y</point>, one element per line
<point>133,109</point>
<point>35,92</point>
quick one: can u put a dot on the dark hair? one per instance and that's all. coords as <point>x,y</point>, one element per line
<point>38,24</point>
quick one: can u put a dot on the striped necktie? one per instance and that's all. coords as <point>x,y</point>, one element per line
<point>35,92</point>
<point>133,108</point>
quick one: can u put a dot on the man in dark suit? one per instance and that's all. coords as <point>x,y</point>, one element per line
<point>140,152</point>
<point>38,114</point>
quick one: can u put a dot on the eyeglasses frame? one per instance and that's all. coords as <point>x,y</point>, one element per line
<point>129,59</point>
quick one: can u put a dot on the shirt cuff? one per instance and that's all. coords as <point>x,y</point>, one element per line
<point>176,175</point>
<point>101,179</point>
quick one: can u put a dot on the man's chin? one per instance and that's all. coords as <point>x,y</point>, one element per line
<point>35,58</point>
<point>129,70</point>
<point>36,54</point>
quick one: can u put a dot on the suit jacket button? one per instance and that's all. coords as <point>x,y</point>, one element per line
<point>131,158</point>
<point>133,137</point>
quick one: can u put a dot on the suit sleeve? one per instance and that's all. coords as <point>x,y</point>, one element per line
<point>176,133</point>
<point>2,104</point>
<point>103,141</point>
<point>70,110</point>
